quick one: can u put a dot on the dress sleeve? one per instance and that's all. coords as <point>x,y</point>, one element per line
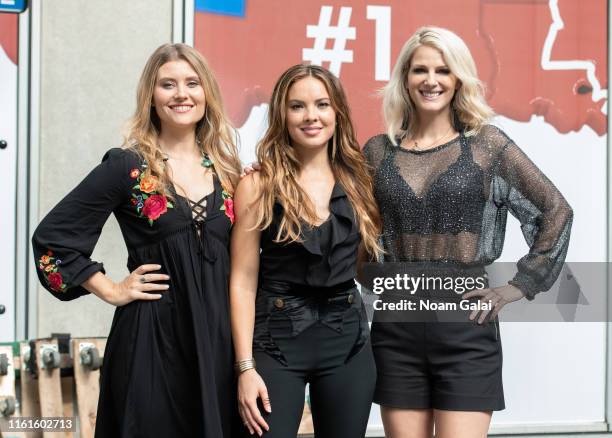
<point>66,237</point>
<point>545,216</point>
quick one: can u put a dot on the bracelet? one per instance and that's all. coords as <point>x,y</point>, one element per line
<point>242,365</point>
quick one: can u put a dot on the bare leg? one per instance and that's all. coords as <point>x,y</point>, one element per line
<point>459,424</point>
<point>407,423</point>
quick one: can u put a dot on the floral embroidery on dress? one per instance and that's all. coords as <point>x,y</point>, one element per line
<point>228,201</point>
<point>228,205</point>
<point>48,265</point>
<point>148,202</point>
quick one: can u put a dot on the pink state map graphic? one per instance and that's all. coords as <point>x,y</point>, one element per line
<point>8,35</point>
<point>536,57</point>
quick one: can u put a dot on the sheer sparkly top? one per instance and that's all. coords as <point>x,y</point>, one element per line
<point>450,204</point>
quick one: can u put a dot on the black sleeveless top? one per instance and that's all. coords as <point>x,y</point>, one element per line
<point>327,255</point>
<point>308,282</point>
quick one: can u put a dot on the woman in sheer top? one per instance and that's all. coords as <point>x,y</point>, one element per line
<point>444,180</point>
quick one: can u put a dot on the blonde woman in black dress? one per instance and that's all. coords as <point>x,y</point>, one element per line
<point>444,181</point>
<point>167,368</point>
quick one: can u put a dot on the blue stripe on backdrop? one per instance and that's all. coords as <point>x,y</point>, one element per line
<point>224,7</point>
<point>13,5</point>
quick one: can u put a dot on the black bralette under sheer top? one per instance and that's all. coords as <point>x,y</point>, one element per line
<point>449,204</point>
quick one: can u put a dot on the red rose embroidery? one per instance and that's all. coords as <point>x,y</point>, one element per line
<point>48,265</point>
<point>228,205</point>
<point>149,204</point>
<point>55,281</point>
<point>154,207</point>
<point>229,209</point>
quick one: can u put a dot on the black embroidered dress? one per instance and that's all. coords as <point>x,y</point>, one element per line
<point>168,363</point>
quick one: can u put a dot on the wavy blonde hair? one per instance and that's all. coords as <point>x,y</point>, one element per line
<point>280,165</point>
<point>214,133</point>
<point>469,108</point>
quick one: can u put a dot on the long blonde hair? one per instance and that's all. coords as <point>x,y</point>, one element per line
<point>214,133</point>
<point>469,108</point>
<point>280,165</point>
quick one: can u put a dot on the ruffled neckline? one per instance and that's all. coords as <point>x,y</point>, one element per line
<point>341,220</point>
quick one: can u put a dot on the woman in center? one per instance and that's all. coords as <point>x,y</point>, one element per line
<point>297,316</point>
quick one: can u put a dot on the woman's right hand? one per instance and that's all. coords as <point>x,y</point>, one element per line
<point>137,286</point>
<point>251,387</point>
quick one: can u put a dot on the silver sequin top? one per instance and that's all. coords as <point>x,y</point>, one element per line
<point>450,204</point>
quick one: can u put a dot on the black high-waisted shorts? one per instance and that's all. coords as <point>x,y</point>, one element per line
<point>425,361</point>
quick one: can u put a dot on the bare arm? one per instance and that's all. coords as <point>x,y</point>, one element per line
<point>245,269</point>
<point>243,289</point>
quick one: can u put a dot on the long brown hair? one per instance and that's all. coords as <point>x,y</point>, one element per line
<point>280,165</point>
<point>214,133</point>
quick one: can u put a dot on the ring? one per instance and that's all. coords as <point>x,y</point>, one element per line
<point>143,279</point>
